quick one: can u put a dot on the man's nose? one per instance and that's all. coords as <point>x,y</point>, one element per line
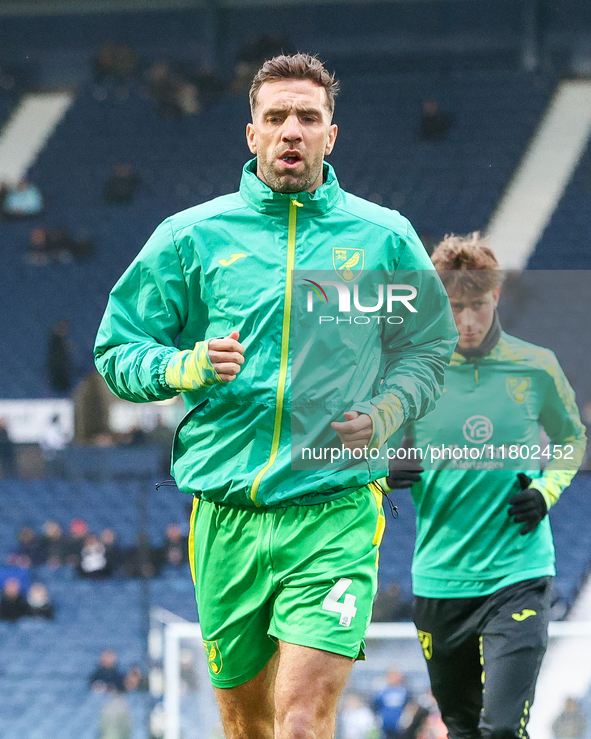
<point>466,318</point>
<point>292,130</point>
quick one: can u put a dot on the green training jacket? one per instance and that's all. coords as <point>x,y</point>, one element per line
<point>229,264</point>
<point>489,416</point>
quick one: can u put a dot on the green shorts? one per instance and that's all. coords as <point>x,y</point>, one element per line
<point>306,575</point>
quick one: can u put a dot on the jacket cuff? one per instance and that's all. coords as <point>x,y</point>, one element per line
<point>551,484</point>
<point>161,377</point>
<point>383,483</point>
<point>191,369</point>
<point>387,414</point>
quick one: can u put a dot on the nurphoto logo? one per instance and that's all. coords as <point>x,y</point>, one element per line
<point>389,296</point>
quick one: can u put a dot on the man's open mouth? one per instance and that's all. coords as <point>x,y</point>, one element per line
<point>291,158</point>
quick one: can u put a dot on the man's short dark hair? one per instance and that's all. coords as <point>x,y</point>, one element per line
<point>295,67</point>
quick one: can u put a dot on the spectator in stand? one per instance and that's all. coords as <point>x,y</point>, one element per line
<point>60,244</point>
<point>390,605</point>
<point>57,245</point>
<point>107,673</point>
<point>13,605</point>
<point>435,123</point>
<point>39,252</point>
<point>7,79</point>
<point>389,705</point>
<point>39,602</point>
<point>54,546</point>
<point>433,727</point>
<point>50,245</point>
<point>115,718</point>
<point>22,200</point>
<point>52,440</point>
<point>136,436</point>
<point>141,560</point>
<point>356,719</point>
<point>162,436</point>
<point>75,542</point>
<point>189,675</point>
<point>60,367</point>
<point>82,246</point>
<point>136,680</point>
<point>8,466</point>
<point>175,96</point>
<point>93,559</point>
<point>175,552</point>
<point>121,185</point>
<point>209,85</point>
<point>28,550</point>
<point>253,55</point>
<point>113,552</point>
<point>91,411</point>
<point>162,87</point>
<point>116,62</point>
<point>570,723</point>
<point>413,719</point>
<point>4,188</point>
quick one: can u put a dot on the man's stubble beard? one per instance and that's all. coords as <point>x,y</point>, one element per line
<point>289,181</point>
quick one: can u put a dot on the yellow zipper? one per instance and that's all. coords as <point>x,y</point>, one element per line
<point>283,363</point>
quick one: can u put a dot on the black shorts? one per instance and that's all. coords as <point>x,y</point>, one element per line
<point>483,655</point>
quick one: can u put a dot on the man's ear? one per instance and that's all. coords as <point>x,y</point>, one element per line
<point>496,293</point>
<point>251,139</point>
<point>332,137</point>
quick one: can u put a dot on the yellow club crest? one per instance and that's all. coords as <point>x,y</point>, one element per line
<point>518,389</point>
<point>348,262</point>
<point>214,656</point>
<point>426,640</point>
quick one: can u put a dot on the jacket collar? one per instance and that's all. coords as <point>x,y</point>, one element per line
<point>261,198</point>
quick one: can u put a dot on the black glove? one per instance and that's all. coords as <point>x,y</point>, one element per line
<point>528,506</point>
<point>403,472</point>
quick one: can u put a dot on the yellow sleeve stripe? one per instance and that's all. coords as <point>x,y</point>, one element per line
<point>387,416</point>
<point>192,538</point>
<point>381,522</point>
<point>552,483</point>
<point>559,472</point>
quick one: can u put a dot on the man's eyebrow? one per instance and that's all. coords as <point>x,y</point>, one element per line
<point>287,108</point>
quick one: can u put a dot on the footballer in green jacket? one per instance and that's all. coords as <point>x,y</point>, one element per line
<point>284,561</point>
<point>484,557</point>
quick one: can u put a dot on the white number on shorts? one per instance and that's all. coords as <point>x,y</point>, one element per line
<point>347,607</point>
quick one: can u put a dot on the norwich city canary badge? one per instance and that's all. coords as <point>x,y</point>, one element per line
<point>426,640</point>
<point>518,389</point>
<point>348,263</point>
<point>214,656</point>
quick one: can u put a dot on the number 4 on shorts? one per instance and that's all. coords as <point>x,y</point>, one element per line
<point>346,607</point>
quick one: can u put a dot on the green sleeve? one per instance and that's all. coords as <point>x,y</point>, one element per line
<point>145,314</point>
<point>415,357</point>
<point>561,420</point>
